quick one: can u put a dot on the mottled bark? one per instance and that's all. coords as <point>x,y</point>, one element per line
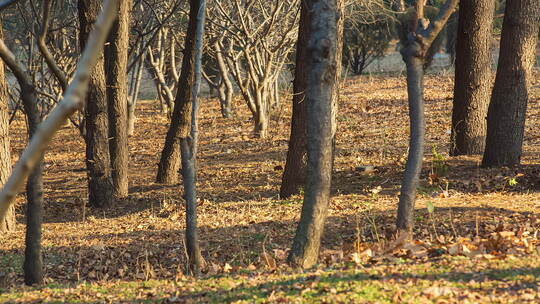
<point>508,105</point>
<point>472,77</point>
<point>295,167</point>
<point>323,69</point>
<point>8,224</point>
<point>100,188</point>
<point>116,61</point>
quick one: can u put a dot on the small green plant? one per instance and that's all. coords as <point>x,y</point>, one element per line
<point>439,167</point>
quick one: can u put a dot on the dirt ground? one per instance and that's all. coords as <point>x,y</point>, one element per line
<point>241,218</point>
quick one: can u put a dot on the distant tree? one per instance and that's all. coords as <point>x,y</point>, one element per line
<point>323,51</point>
<point>508,105</point>
<point>116,63</point>
<point>29,166</point>
<point>472,82</point>
<point>367,32</point>
<point>98,163</point>
<point>415,52</point>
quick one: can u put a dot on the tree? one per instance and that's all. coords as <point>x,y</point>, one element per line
<point>258,37</point>
<point>295,166</point>
<point>367,33</point>
<point>323,46</point>
<point>116,60</point>
<point>189,141</point>
<point>33,263</point>
<point>8,224</point>
<point>100,188</point>
<point>30,161</point>
<point>508,105</point>
<point>472,77</point>
<point>414,52</point>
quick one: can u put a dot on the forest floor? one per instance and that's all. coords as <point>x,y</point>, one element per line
<point>477,233</point>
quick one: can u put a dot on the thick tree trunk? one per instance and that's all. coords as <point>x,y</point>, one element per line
<point>473,77</point>
<point>321,94</point>
<point>508,106</point>
<point>295,167</point>
<point>180,126</point>
<point>100,188</point>
<point>5,153</point>
<point>116,60</point>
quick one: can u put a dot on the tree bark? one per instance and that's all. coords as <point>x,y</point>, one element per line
<point>100,188</point>
<point>508,105</point>
<point>295,166</point>
<point>116,61</point>
<point>180,126</point>
<point>414,54</point>
<point>323,69</point>
<point>8,224</point>
<point>472,77</point>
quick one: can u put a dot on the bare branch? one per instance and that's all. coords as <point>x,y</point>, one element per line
<point>72,101</point>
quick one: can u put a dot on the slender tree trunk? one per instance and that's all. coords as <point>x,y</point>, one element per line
<point>189,137</point>
<point>415,53</point>
<point>323,47</point>
<point>100,188</point>
<point>33,260</point>
<point>415,91</point>
<point>116,61</point>
<point>508,106</point>
<point>132,105</point>
<point>295,167</point>
<point>5,151</point>
<point>473,77</point>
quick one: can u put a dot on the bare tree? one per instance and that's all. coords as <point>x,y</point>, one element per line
<point>508,106</point>
<point>258,36</point>
<point>73,100</point>
<point>323,62</point>
<point>422,33</point>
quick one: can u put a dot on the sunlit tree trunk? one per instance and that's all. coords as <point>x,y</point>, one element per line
<point>116,60</point>
<point>508,105</point>
<point>100,188</point>
<point>473,77</point>
<point>323,45</point>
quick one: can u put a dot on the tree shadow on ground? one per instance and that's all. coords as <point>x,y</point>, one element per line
<point>157,252</point>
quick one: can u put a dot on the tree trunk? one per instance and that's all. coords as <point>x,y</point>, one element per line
<point>116,60</point>
<point>33,260</point>
<point>132,105</point>
<point>415,91</point>
<point>472,77</point>
<point>189,139</point>
<point>5,153</point>
<point>295,167</point>
<point>323,69</point>
<point>180,126</point>
<point>508,106</point>
<point>100,188</point>
<point>415,52</point>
